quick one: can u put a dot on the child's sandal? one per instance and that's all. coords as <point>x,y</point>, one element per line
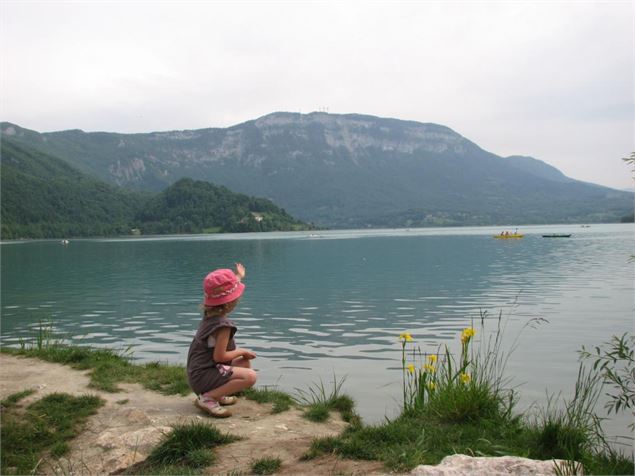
<point>213,408</point>
<point>228,400</point>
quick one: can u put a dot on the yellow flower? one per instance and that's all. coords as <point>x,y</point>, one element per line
<point>429,368</point>
<point>405,336</point>
<point>467,334</point>
<point>431,386</point>
<point>432,358</point>
<point>411,368</point>
<point>465,378</point>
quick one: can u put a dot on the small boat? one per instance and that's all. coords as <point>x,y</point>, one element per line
<point>557,235</point>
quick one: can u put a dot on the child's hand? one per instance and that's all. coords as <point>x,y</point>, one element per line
<point>248,354</point>
<point>240,271</point>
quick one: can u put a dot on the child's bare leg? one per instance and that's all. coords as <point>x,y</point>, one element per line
<point>241,379</point>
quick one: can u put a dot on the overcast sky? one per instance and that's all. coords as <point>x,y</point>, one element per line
<point>553,80</point>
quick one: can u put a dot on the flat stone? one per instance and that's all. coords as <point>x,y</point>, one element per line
<point>459,465</point>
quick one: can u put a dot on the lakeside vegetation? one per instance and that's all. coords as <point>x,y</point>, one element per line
<point>462,404</point>
<point>451,404</point>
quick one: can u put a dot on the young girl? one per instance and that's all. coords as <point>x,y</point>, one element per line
<point>215,367</point>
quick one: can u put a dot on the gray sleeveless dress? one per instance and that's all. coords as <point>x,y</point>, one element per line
<point>203,373</point>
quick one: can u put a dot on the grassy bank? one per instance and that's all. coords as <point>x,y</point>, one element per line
<point>109,368</point>
<point>32,435</point>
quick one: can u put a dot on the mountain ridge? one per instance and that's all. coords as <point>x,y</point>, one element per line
<point>343,170</point>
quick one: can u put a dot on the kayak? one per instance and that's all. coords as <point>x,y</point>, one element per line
<point>504,237</point>
<point>557,235</point>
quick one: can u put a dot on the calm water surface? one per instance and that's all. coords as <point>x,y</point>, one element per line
<point>335,302</point>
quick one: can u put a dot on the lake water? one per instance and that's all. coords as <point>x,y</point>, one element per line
<point>334,303</point>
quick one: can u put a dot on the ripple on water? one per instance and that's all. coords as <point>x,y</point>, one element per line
<point>302,330</point>
<point>294,319</point>
<point>127,328</point>
<point>354,334</point>
<point>91,335</point>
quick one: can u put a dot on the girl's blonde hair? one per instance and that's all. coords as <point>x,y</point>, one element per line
<point>220,310</point>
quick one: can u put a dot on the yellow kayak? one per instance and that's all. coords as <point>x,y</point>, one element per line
<point>504,237</point>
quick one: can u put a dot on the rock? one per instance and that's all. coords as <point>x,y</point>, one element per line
<point>458,465</point>
<point>134,415</point>
<point>144,439</point>
<point>106,440</point>
<point>129,447</point>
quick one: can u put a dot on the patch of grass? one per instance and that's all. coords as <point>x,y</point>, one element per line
<point>318,412</point>
<point>456,403</point>
<point>166,379</point>
<point>13,399</point>
<point>183,445</point>
<point>281,401</point>
<point>419,438</point>
<point>185,450</point>
<point>46,425</point>
<point>321,402</point>
<point>266,465</point>
<point>346,406</point>
<point>170,470</point>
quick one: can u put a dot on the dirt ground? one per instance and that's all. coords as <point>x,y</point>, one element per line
<point>133,421</point>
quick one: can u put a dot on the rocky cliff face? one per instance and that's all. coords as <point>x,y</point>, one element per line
<point>343,170</point>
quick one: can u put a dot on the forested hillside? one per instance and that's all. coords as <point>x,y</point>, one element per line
<point>44,197</point>
<point>190,206</point>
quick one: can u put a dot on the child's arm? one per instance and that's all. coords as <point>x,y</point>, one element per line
<point>221,354</point>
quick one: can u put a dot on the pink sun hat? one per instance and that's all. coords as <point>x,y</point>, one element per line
<point>222,286</point>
